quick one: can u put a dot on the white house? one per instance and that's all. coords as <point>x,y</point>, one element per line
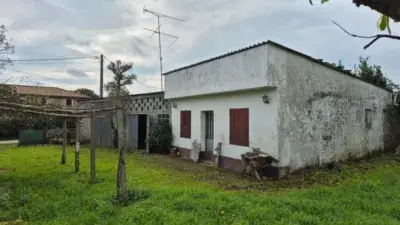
<point>297,109</point>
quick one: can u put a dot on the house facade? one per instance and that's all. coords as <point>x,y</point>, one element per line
<point>295,108</point>
<point>50,95</point>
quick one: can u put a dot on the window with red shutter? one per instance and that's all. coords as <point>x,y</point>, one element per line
<point>239,127</point>
<point>185,124</point>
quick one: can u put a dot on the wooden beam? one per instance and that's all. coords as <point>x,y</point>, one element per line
<point>64,144</point>
<point>92,150</point>
<point>54,110</point>
<point>77,144</point>
<point>42,113</point>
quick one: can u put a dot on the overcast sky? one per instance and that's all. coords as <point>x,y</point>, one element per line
<point>77,28</point>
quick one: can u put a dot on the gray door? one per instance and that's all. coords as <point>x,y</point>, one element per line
<point>133,123</point>
<point>209,136</point>
<point>103,131</point>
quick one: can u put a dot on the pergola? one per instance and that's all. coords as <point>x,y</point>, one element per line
<point>76,114</point>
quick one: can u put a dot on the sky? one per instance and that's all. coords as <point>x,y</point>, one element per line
<point>85,28</point>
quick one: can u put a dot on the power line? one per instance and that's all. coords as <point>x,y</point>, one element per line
<point>146,85</point>
<point>53,59</point>
<point>31,74</point>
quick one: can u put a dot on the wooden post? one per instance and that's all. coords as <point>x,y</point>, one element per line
<point>77,144</point>
<point>121,173</point>
<point>64,150</point>
<point>92,149</point>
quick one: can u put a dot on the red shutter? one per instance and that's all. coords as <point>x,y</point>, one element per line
<point>239,127</point>
<point>185,124</point>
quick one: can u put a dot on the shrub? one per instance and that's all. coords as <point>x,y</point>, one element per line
<point>160,138</point>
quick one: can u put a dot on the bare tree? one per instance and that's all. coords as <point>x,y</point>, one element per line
<point>120,81</point>
<point>6,48</point>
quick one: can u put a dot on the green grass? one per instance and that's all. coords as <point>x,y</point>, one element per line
<point>36,189</point>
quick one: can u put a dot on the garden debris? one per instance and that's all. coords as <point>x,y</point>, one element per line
<point>256,160</point>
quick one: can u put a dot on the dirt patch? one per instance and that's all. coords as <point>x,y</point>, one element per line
<point>14,222</point>
<point>303,178</point>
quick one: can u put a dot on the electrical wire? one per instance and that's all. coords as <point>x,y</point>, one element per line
<point>147,85</point>
<point>31,74</point>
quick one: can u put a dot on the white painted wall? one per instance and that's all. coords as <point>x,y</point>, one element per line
<point>322,112</point>
<point>262,120</point>
<point>240,71</point>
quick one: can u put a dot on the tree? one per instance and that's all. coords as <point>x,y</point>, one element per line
<point>389,9</point>
<point>87,92</point>
<point>6,48</point>
<point>373,74</point>
<point>118,87</point>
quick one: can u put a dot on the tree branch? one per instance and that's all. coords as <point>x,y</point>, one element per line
<point>374,37</point>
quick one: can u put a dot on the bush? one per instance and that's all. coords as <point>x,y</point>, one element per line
<point>160,138</point>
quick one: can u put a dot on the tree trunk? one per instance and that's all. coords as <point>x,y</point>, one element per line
<point>77,144</point>
<point>64,151</point>
<point>121,174</point>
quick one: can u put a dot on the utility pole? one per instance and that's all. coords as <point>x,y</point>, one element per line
<point>101,75</point>
<point>158,31</point>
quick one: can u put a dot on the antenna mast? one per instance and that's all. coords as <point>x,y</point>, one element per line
<point>158,31</point>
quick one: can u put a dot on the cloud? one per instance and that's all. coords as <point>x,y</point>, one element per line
<point>64,28</point>
<point>76,73</point>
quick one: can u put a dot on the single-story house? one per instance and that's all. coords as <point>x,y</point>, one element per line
<point>297,109</point>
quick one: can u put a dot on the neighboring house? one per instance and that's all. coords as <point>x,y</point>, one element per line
<point>293,107</point>
<point>143,111</point>
<point>50,95</point>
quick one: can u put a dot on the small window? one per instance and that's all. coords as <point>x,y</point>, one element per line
<point>69,102</point>
<point>368,118</point>
<point>185,124</point>
<point>239,127</point>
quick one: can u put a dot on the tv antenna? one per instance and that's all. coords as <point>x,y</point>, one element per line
<point>158,31</point>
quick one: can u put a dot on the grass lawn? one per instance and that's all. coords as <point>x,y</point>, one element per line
<point>36,189</point>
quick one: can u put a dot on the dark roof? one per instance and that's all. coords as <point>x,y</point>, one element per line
<point>319,61</point>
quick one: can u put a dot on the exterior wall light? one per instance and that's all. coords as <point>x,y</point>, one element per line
<point>265,99</point>
<point>174,105</point>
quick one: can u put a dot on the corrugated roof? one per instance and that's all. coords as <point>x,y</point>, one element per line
<point>319,61</point>
<point>46,91</point>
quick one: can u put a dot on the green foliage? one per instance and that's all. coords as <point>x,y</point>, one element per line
<point>338,65</point>
<point>120,80</point>
<point>87,92</point>
<point>160,137</point>
<point>41,191</point>
<point>12,122</point>
<point>6,48</point>
<point>373,74</point>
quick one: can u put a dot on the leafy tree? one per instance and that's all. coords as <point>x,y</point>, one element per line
<point>87,92</point>
<point>6,48</point>
<point>373,74</point>
<point>117,87</point>
<point>338,65</point>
